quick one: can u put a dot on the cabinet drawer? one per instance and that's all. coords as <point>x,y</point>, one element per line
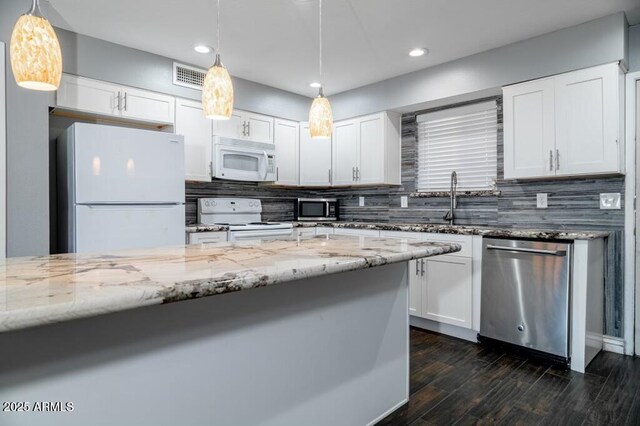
<point>304,232</point>
<point>360,232</point>
<point>324,230</point>
<point>207,237</point>
<point>417,236</point>
<point>465,241</point>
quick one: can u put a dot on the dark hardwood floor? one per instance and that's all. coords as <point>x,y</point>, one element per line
<point>458,382</point>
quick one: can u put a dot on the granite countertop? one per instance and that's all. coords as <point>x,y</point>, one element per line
<point>546,234</point>
<point>48,289</point>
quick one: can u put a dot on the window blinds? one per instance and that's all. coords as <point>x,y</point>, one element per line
<point>463,139</point>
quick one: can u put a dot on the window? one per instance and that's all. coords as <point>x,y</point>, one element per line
<point>463,139</point>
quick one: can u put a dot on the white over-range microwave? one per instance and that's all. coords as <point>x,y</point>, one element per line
<point>236,159</point>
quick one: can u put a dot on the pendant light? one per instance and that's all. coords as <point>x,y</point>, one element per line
<point>320,115</point>
<point>217,89</point>
<point>36,59</point>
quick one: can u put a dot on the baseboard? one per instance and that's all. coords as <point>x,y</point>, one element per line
<point>613,344</point>
<point>448,329</point>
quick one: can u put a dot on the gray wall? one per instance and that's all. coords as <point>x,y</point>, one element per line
<point>593,43</point>
<point>634,48</point>
<point>28,170</point>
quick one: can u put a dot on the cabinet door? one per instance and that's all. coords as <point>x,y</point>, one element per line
<point>372,149</point>
<point>231,128</point>
<point>315,159</point>
<point>529,132</point>
<point>345,148</point>
<point>259,127</point>
<point>148,106</point>
<point>588,121</point>
<point>196,129</point>
<point>84,94</point>
<point>286,140</point>
<point>416,284</point>
<point>448,290</point>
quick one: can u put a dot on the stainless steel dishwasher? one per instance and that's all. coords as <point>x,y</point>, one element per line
<point>525,295</point>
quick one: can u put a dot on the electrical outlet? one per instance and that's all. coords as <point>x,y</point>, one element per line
<point>404,201</point>
<point>541,201</point>
<point>361,201</point>
<point>610,201</point>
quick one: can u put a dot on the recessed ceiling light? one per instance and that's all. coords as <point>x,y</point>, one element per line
<point>315,85</point>
<point>202,48</point>
<point>419,51</point>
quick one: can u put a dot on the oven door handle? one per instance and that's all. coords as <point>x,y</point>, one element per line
<point>266,164</point>
<point>528,250</point>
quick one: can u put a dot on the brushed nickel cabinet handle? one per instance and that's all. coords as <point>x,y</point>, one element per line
<point>557,159</point>
<point>551,160</point>
<point>422,268</point>
<point>417,268</point>
<point>125,101</point>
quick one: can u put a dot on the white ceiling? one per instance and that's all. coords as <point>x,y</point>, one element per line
<point>275,42</point>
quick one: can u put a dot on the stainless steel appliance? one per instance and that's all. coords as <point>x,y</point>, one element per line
<point>525,294</point>
<point>236,159</point>
<point>243,216</point>
<point>316,209</point>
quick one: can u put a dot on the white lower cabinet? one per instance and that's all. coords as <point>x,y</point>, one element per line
<point>416,285</point>
<point>207,237</point>
<point>441,288</point>
<point>447,291</point>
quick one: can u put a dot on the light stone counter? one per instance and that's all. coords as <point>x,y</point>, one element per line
<point>48,289</point>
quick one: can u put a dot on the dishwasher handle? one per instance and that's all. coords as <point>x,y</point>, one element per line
<point>528,250</point>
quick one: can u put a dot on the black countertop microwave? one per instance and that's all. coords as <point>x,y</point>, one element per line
<point>316,209</point>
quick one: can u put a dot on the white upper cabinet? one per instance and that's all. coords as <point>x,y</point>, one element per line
<point>197,131</point>
<point>529,137</point>
<point>247,126</point>
<point>366,150</point>
<point>566,125</point>
<point>315,159</point>
<point>98,97</point>
<point>286,139</point>
<point>588,120</point>
<point>88,95</point>
<point>346,155</point>
<point>147,106</point>
<point>372,152</point>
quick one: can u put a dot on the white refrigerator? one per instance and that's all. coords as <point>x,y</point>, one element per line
<point>119,188</point>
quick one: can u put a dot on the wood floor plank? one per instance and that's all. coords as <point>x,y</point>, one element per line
<point>541,397</point>
<point>457,382</point>
<point>419,403</point>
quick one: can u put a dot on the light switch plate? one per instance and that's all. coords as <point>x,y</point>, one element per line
<point>404,201</point>
<point>361,201</point>
<point>541,201</point>
<point>610,201</point>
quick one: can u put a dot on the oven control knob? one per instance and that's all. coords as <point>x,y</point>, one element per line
<point>213,204</point>
<point>206,203</point>
<point>521,327</point>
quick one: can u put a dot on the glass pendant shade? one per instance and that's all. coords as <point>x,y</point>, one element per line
<point>320,118</point>
<point>36,58</point>
<point>217,92</point>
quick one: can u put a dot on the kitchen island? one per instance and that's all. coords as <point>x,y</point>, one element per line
<point>320,337</point>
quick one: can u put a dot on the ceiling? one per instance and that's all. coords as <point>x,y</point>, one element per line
<point>275,42</point>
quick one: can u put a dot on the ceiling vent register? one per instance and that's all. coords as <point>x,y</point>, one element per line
<point>187,76</point>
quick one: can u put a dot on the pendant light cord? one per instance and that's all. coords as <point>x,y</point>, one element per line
<point>218,28</point>
<point>320,32</point>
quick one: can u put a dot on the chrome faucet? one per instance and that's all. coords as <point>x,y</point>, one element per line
<point>450,216</point>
